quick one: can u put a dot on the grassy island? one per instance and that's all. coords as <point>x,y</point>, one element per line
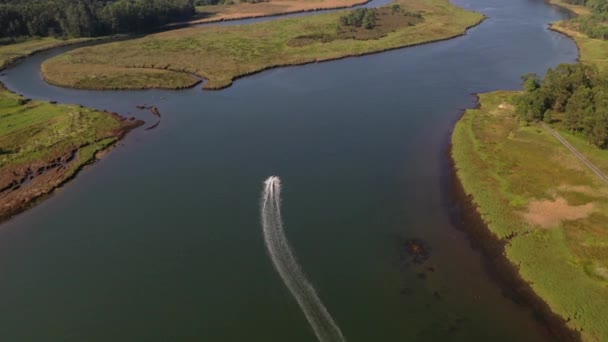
<point>533,193</point>
<point>42,145</point>
<point>178,58</point>
<point>232,10</point>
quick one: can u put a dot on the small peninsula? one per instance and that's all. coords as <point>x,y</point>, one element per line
<point>43,145</point>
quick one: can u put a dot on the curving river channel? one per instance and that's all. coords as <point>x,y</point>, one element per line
<point>161,241</point>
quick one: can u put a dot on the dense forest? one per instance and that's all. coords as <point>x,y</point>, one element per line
<point>86,18</point>
<point>575,94</point>
<point>596,24</point>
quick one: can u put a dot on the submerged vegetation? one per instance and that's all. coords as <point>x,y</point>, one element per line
<point>43,144</point>
<point>221,54</point>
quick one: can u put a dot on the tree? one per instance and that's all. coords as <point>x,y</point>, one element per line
<point>579,106</point>
<point>531,106</point>
<point>531,82</point>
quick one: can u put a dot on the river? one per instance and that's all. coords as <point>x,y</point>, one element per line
<point>161,240</point>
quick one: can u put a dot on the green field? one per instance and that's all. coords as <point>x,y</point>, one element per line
<point>527,185</point>
<point>13,52</point>
<point>42,145</point>
<point>221,54</point>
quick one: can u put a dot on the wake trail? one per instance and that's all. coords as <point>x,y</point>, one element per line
<point>323,325</point>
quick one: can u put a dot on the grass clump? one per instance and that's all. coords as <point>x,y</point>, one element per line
<point>531,191</point>
<point>221,54</point>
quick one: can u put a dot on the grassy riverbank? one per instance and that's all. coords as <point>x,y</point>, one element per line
<point>547,206</point>
<point>544,203</point>
<point>11,53</point>
<point>213,13</point>
<point>222,54</point>
<point>592,51</point>
<point>42,145</point>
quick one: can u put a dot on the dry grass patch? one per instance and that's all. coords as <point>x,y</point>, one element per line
<point>214,13</point>
<point>549,214</point>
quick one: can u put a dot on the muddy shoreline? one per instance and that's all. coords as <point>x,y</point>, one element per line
<point>465,217</point>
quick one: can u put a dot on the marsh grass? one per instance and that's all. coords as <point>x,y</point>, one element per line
<point>36,130</point>
<point>222,54</point>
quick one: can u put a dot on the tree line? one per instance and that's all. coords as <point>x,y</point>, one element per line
<point>574,94</point>
<point>87,18</point>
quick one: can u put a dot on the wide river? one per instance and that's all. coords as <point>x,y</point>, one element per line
<point>161,240</point>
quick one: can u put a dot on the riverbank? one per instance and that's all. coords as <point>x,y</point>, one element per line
<point>592,51</point>
<point>245,10</point>
<point>223,54</point>
<point>12,53</point>
<point>44,145</point>
<point>547,209</point>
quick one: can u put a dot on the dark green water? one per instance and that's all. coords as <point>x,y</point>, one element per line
<point>161,241</point>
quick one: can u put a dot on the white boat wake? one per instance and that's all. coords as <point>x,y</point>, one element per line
<point>285,263</point>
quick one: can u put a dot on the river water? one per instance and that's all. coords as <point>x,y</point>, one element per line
<point>161,240</point>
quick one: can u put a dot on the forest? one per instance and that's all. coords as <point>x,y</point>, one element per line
<point>574,94</point>
<point>87,18</point>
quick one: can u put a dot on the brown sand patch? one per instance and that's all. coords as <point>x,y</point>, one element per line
<point>602,272</point>
<point>506,106</point>
<point>548,214</point>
